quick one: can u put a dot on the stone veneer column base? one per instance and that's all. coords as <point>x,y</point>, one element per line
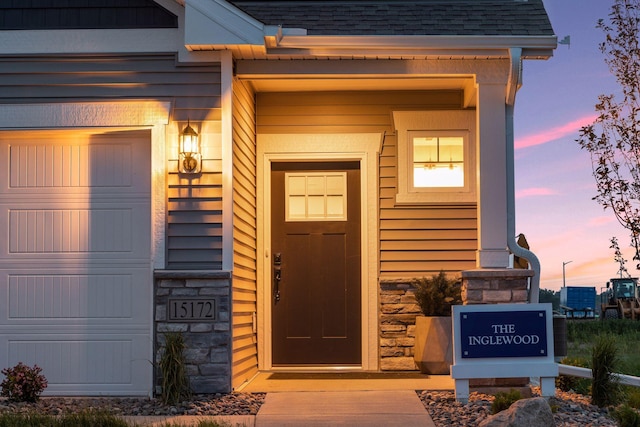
<point>496,286</point>
<point>398,311</point>
<point>208,344</point>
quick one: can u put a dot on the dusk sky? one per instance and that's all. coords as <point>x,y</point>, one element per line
<point>554,184</point>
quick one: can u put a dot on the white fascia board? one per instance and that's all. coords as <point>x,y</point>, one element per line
<point>216,22</point>
<point>336,45</point>
<point>29,42</point>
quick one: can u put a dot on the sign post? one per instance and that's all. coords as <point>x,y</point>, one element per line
<point>503,341</point>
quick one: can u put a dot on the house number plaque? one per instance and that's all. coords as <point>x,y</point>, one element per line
<point>192,310</point>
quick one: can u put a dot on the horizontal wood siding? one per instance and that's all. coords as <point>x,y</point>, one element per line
<point>194,204</point>
<point>244,286</point>
<point>413,240</point>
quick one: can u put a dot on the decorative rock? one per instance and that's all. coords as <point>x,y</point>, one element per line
<point>534,412</point>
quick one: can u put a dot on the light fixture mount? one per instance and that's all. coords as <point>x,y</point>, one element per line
<point>190,159</point>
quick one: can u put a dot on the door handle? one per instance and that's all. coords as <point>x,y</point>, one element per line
<point>277,276</point>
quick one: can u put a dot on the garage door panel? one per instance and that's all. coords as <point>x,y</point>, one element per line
<point>101,231</point>
<point>80,230</point>
<point>69,298</point>
<point>97,163</point>
<point>104,364</point>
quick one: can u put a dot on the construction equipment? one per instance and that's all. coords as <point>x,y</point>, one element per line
<point>578,302</point>
<point>620,300</point>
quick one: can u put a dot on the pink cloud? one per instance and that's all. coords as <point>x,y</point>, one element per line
<point>554,133</point>
<point>602,220</point>
<point>534,192</point>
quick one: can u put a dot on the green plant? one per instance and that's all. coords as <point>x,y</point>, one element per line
<point>23,383</point>
<point>175,383</point>
<point>575,384</point>
<point>26,420</point>
<point>626,416</point>
<point>436,294</point>
<point>201,423</point>
<point>504,399</point>
<point>605,388</point>
<point>633,397</point>
<point>82,419</point>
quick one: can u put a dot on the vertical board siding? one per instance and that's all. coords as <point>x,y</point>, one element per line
<point>194,205</point>
<point>414,240</point>
<point>244,285</point>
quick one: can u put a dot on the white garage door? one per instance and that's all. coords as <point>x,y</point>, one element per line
<point>75,270</point>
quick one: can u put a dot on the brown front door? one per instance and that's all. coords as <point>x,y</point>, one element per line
<point>316,264</point>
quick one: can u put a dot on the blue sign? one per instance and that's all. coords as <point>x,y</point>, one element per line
<point>503,334</point>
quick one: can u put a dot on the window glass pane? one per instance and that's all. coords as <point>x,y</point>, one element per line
<point>451,149</point>
<point>439,176</point>
<point>335,184</point>
<point>335,206</point>
<point>315,206</point>
<point>315,185</point>
<point>438,161</point>
<point>297,207</point>
<point>297,185</point>
<point>425,150</point>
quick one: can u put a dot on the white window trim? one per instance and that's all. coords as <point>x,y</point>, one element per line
<point>459,122</point>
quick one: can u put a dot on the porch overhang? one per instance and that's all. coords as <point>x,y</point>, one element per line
<point>218,25</point>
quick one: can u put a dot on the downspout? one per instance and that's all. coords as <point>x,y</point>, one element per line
<point>514,83</point>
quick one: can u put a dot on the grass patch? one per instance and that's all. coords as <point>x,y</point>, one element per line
<point>82,419</point>
<point>581,334</point>
<point>581,340</point>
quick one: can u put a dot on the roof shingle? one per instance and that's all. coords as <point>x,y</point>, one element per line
<point>404,17</point>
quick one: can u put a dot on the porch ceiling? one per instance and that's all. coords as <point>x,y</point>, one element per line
<point>368,83</point>
<point>272,78</point>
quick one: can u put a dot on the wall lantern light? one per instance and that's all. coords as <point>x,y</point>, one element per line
<point>190,157</point>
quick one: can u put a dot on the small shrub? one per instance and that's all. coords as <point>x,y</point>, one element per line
<point>626,416</point>
<point>23,383</point>
<point>503,400</point>
<point>633,397</point>
<point>575,384</point>
<point>605,388</point>
<point>175,384</point>
<point>436,294</point>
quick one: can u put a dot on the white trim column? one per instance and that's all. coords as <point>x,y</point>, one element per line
<point>492,174</point>
<point>227,158</point>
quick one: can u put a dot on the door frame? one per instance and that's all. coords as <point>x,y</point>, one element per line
<point>361,147</point>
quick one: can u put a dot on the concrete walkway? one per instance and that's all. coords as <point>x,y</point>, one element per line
<point>327,400</point>
<point>352,408</point>
<point>318,408</point>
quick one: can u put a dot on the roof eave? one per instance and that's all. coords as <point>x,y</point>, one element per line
<point>539,47</point>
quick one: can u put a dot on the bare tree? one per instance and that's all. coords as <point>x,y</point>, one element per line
<point>613,140</point>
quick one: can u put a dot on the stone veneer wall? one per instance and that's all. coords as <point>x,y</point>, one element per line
<point>495,286</point>
<point>208,344</point>
<point>398,311</point>
<point>398,308</point>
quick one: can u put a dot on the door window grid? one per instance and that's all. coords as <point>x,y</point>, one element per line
<point>316,196</point>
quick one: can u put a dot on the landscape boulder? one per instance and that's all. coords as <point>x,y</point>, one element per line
<point>534,412</point>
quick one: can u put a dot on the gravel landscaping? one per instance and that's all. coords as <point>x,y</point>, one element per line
<point>570,409</point>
